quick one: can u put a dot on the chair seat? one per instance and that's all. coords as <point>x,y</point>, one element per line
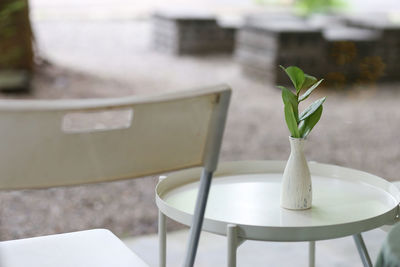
<point>97,248</point>
<point>390,251</point>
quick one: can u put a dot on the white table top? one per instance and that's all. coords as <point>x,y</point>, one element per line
<point>247,194</point>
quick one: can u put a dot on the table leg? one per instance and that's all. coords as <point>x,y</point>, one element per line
<point>162,240</point>
<point>311,254</point>
<point>231,233</point>
<point>362,250</point>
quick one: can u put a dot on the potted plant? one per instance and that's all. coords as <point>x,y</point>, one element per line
<point>296,191</point>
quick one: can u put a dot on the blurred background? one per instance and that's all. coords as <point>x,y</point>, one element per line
<point>52,49</point>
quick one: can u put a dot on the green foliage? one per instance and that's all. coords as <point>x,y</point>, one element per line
<point>300,125</point>
<point>306,125</point>
<point>311,109</point>
<point>307,7</point>
<point>309,91</point>
<point>296,75</point>
<point>290,99</point>
<point>10,9</point>
<point>291,120</point>
<point>308,81</point>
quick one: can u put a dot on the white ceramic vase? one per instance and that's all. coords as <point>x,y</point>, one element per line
<point>296,191</point>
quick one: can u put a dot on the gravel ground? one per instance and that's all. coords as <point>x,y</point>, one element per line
<point>359,127</point>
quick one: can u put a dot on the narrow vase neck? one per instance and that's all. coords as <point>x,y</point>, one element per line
<point>297,144</point>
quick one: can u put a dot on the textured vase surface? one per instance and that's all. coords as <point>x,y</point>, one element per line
<point>296,191</point>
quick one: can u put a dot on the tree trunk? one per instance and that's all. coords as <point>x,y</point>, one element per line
<point>15,35</point>
<point>16,51</point>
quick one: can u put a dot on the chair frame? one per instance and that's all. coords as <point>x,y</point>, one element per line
<point>212,107</point>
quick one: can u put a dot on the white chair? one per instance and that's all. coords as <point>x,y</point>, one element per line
<point>42,145</point>
<point>389,255</point>
<point>387,228</point>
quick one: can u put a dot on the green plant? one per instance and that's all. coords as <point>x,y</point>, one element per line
<point>300,125</point>
<point>308,7</point>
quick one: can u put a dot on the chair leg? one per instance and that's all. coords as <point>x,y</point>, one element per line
<point>311,254</point>
<point>162,240</point>
<point>362,250</point>
<point>201,202</point>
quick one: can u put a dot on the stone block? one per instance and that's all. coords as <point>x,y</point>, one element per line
<point>191,33</point>
<point>342,49</point>
<point>388,44</point>
<point>263,45</point>
<point>14,81</point>
<point>353,56</point>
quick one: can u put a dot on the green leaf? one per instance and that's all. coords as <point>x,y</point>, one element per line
<point>311,108</point>
<point>308,81</point>
<point>290,99</point>
<point>309,91</point>
<point>296,75</point>
<point>310,122</point>
<point>301,127</point>
<point>291,121</point>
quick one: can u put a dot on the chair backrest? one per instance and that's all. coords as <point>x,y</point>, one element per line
<point>46,143</point>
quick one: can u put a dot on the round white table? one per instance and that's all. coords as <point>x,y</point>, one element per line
<point>244,204</point>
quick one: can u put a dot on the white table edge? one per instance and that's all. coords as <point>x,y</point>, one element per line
<point>268,233</point>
